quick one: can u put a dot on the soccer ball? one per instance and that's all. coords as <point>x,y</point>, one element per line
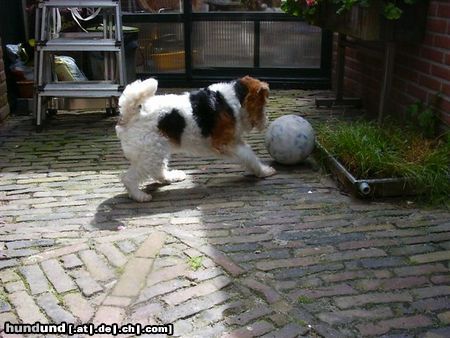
<point>290,139</point>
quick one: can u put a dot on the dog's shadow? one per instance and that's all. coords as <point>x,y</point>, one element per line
<point>183,197</point>
<point>174,198</point>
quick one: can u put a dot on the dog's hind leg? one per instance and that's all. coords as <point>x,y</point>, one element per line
<point>251,162</point>
<point>131,179</point>
<point>172,176</point>
<point>161,173</point>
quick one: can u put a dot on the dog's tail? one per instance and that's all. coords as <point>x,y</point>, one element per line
<point>133,96</point>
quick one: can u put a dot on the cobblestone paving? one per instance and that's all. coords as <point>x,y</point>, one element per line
<point>218,255</point>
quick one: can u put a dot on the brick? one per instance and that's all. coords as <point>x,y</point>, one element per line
<point>348,316</point>
<point>300,271</point>
<point>443,332</point>
<point>109,315</point>
<point>79,307</point>
<point>26,308</point>
<point>384,326</point>
<point>431,257</point>
<point>4,306</point>
<point>382,262</point>
<point>146,311</point>
<point>252,256</point>
<point>286,263</point>
<point>432,304</point>
<point>269,294</point>
<point>86,283</point>
<point>112,254</point>
<point>440,71</point>
<point>393,283</point>
<point>355,254</point>
<point>248,316</point>
<point>431,291</point>
<point>291,330</point>
<point>71,261</point>
<point>240,239</point>
<point>441,279</point>
<point>193,306</point>
<point>441,41</point>
<point>161,289</point>
<point>222,260</point>
<point>254,330</point>
<point>203,274</point>
<point>420,269</point>
<point>30,243</point>
<point>35,279</point>
<point>343,276</point>
<point>329,291</point>
<point>436,25</point>
<point>117,301</point>
<point>57,276</point>
<point>372,298</point>
<point>151,246</point>
<point>219,312</point>
<point>14,287</point>
<point>7,317</point>
<point>43,256</point>
<point>50,305</point>
<point>444,317</point>
<point>7,263</point>
<point>166,274</point>
<point>8,276</point>
<point>366,244</point>
<point>133,277</point>
<point>96,265</point>
<point>198,290</point>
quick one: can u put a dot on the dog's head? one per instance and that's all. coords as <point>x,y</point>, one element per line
<point>253,95</point>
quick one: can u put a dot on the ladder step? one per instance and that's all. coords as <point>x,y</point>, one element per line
<point>81,89</point>
<point>80,3</point>
<point>64,44</point>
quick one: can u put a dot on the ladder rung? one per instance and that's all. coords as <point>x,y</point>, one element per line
<point>64,44</point>
<point>81,89</point>
<point>80,3</point>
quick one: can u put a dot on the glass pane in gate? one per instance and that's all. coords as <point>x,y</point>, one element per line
<point>268,6</point>
<point>152,6</point>
<point>160,48</point>
<point>222,44</point>
<point>290,45</point>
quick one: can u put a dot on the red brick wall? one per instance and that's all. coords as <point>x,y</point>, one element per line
<point>4,107</point>
<point>421,70</point>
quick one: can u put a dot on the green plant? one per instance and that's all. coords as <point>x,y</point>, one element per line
<point>391,9</point>
<point>424,118</point>
<point>370,151</point>
<point>195,263</point>
<point>304,300</point>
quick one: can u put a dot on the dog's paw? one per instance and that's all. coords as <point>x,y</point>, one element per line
<point>141,196</point>
<point>173,176</point>
<point>266,171</point>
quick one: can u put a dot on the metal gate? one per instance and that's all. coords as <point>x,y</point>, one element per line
<point>191,43</point>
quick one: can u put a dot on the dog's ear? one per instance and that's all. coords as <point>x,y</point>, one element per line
<point>264,90</point>
<point>255,100</point>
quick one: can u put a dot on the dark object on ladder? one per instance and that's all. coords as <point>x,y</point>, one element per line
<point>50,41</point>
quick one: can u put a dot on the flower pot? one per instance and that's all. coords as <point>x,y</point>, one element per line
<point>369,23</point>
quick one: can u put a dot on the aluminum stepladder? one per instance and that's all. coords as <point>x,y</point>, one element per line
<point>49,42</point>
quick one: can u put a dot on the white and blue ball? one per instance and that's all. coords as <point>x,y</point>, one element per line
<point>290,139</point>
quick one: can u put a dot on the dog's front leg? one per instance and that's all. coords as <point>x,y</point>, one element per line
<point>244,153</point>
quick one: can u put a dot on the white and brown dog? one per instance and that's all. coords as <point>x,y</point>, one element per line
<point>210,121</point>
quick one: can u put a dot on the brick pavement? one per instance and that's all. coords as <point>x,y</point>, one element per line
<point>218,255</point>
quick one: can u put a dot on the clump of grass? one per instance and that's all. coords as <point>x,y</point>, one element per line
<point>304,300</point>
<point>369,151</point>
<point>195,263</point>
